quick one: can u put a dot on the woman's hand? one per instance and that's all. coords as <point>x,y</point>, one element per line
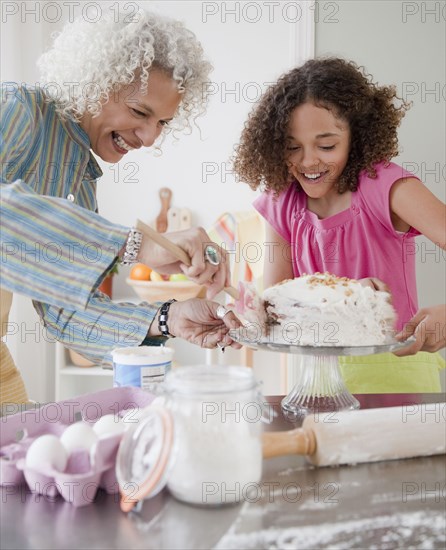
<point>429,328</point>
<point>193,242</point>
<point>197,322</point>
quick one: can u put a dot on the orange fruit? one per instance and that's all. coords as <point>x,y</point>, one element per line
<point>140,272</point>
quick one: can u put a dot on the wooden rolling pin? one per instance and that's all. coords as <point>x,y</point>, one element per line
<point>369,435</point>
<point>177,251</point>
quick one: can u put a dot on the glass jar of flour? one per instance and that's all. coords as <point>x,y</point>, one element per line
<point>202,438</point>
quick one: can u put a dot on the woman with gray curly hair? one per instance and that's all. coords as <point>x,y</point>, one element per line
<point>108,90</point>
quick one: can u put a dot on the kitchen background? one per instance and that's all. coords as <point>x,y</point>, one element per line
<point>249,44</point>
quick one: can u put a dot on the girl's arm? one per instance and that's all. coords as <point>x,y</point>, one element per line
<point>413,205</point>
<point>277,258</point>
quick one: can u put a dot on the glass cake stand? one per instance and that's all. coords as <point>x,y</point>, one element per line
<point>320,386</point>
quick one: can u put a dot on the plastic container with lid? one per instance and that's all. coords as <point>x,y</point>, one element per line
<point>201,438</point>
<point>141,366</point>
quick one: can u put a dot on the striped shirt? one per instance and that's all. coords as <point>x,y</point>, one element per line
<point>54,250</point>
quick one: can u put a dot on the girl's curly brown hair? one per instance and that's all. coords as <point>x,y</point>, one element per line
<point>373,113</point>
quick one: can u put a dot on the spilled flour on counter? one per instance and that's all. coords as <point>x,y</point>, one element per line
<point>384,498</point>
<point>291,471</point>
<point>423,530</point>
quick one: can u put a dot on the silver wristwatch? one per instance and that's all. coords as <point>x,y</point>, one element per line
<point>132,247</point>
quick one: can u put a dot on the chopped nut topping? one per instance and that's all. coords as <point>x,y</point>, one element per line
<point>327,279</point>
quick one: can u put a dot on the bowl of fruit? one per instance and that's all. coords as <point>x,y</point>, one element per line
<point>151,286</point>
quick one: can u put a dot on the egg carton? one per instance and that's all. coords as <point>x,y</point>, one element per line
<point>85,472</point>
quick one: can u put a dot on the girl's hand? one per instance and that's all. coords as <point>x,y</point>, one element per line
<point>197,322</point>
<point>429,328</point>
<point>375,283</point>
<point>193,242</point>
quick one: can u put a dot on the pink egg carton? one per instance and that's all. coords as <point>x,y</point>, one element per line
<point>84,474</point>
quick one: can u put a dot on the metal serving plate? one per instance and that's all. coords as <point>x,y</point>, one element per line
<point>244,339</point>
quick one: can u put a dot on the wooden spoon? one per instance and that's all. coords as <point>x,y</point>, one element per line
<point>161,220</point>
<point>177,251</point>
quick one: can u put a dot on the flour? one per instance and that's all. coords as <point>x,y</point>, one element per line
<point>317,505</point>
<point>396,496</point>
<point>217,463</point>
<point>291,471</point>
<point>423,530</point>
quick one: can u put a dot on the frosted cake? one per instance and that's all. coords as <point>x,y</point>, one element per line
<point>320,310</point>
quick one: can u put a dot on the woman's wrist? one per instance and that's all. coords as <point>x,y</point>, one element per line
<point>131,250</point>
<point>160,324</point>
<point>163,319</point>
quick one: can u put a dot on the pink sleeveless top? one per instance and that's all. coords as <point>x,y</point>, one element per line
<point>358,242</point>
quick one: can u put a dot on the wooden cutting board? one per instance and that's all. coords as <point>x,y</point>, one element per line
<point>178,219</point>
<point>165,195</point>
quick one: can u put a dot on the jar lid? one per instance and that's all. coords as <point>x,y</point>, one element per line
<point>143,457</point>
<point>210,379</point>
<point>141,355</point>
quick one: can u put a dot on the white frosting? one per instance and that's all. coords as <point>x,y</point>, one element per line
<point>324,310</point>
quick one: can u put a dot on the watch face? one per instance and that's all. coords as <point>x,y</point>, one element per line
<point>143,457</point>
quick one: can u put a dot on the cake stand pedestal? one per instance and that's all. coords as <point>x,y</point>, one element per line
<point>320,387</point>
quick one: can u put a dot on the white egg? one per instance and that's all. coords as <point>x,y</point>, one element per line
<point>78,436</point>
<point>47,450</point>
<point>107,425</point>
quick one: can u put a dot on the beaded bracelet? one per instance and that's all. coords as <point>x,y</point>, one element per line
<point>162,319</point>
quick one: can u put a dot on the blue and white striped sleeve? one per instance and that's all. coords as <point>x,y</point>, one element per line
<point>104,325</point>
<point>17,126</point>
<point>53,250</point>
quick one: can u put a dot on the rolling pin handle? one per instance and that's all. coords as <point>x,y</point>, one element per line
<point>299,441</point>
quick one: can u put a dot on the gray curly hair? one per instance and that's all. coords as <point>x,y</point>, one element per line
<point>86,64</point>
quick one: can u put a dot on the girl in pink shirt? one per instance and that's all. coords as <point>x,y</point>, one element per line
<point>320,144</point>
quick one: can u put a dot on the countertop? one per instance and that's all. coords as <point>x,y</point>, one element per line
<point>393,504</point>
